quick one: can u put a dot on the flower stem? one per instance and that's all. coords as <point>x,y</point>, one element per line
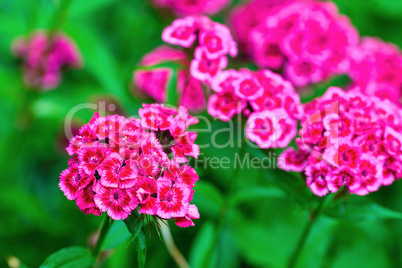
<point>303,238</point>
<point>102,235</point>
<point>171,246</point>
<point>207,262</point>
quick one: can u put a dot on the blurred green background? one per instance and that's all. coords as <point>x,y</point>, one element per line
<point>255,223</point>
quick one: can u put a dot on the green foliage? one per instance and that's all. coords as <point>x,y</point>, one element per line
<point>134,225</point>
<point>117,235</point>
<point>249,217</point>
<point>69,258</point>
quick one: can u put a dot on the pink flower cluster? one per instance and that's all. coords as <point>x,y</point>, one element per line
<point>193,7</point>
<point>347,140</point>
<point>211,42</point>
<point>376,69</point>
<point>44,58</point>
<point>309,39</point>
<point>274,105</point>
<point>153,81</point>
<point>119,165</point>
<point>245,17</point>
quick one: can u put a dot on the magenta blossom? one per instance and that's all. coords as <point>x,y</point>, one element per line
<point>376,69</point>
<point>193,7</point>
<point>214,43</point>
<point>44,58</point>
<point>119,165</point>
<point>347,140</point>
<point>308,39</point>
<point>276,107</point>
<point>205,44</point>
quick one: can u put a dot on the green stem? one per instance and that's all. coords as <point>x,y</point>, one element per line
<point>171,246</point>
<point>223,217</point>
<point>303,238</point>
<point>102,235</point>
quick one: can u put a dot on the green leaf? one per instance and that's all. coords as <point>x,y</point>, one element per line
<point>102,65</point>
<point>134,225</point>
<point>208,199</point>
<point>250,194</point>
<point>70,257</point>
<point>79,8</point>
<point>361,210</point>
<point>117,234</point>
<point>141,249</point>
<point>291,185</point>
<point>202,245</point>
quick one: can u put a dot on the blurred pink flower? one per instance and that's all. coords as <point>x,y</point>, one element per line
<point>193,7</point>
<point>44,59</point>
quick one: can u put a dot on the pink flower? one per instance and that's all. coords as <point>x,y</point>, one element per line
<point>343,176</point>
<point>290,160</point>
<point>91,158</point>
<point>204,68</point>
<point>185,146</point>
<point>153,82</point>
<point>308,39</point>
<point>86,135</point>
<point>109,125</point>
<point>370,174</point>
<point>115,201</point>
<point>182,32</point>
<point>116,173</point>
<point>303,72</point>
<point>217,41</point>
<point>184,174</point>
<point>173,200</point>
<point>343,154</point>
<point>224,106</point>
<point>353,141</point>
<point>266,47</point>
<point>85,200</point>
<point>247,86</point>
<point>71,181</point>
<point>185,7</point>
<point>223,81</point>
<point>148,165</point>
<point>145,195</point>
<point>393,143</point>
<point>156,116</point>
<point>193,96</point>
<point>214,45</point>
<point>186,221</point>
<point>375,68</point>
<point>270,128</point>
<point>120,165</point>
<point>318,176</point>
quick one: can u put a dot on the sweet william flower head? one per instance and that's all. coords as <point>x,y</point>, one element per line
<point>120,165</point>
<point>276,107</point>
<point>347,139</point>
<point>309,40</point>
